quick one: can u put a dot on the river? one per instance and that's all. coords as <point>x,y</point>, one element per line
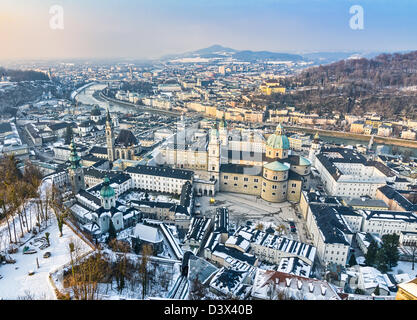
<point>86,97</point>
<point>374,146</point>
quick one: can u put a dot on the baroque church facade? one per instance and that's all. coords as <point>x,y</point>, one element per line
<point>263,168</point>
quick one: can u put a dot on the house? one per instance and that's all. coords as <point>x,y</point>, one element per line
<point>275,285</point>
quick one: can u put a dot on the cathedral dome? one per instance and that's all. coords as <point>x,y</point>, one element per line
<point>276,166</point>
<point>278,140</point>
<point>107,191</point>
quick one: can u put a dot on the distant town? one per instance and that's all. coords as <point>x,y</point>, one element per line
<point>188,178</point>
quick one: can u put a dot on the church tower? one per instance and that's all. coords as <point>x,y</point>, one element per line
<point>314,149</point>
<point>109,138</point>
<point>75,171</point>
<point>214,153</point>
<point>107,194</point>
<point>223,132</point>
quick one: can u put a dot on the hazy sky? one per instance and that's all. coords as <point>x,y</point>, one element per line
<point>151,28</point>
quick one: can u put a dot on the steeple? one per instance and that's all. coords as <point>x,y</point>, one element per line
<point>75,171</point>
<point>74,157</point>
<point>109,138</point>
<point>108,118</point>
<point>279,130</point>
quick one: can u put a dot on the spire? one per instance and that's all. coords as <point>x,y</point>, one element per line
<point>279,130</point>
<point>108,118</point>
<point>316,136</point>
<point>223,123</point>
<point>74,157</point>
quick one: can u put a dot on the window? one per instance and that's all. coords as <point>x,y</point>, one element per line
<point>245,186</point>
<point>226,177</point>
<point>255,180</point>
<point>235,184</point>
<point>245,179</point>
<point>235,178</point>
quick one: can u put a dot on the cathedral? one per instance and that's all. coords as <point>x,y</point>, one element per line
<point>257,167</point>
<point>125,146</point>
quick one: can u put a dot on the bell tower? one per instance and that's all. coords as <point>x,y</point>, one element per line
<point>75,171</point>
<point>213,150</point>
<point>109,138</point>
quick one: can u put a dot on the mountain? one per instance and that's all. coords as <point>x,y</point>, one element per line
<point>252,56</point>
<point>214,49</point>
<point>329,57</point>
<point>20,75</point>
<point>385,84</point>
<point>219,51</point>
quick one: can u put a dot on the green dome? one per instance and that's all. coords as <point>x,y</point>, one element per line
<point>107,191</point>
<point>278,140</point>
<point>304,162</point>
<point>276,166</point>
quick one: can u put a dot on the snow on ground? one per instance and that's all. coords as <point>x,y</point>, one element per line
<point>405,267</point>
<point>14,279</point>
<point>17,283</point>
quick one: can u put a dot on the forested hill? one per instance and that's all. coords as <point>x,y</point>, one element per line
<point>19,75</point>
<point>384,70</point>
<point>386,84</point>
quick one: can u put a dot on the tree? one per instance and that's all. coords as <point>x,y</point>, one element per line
<point>352,260</point>
<point>112,231</point>
<point>390,244</point>
<point>47,234</point>
<point>412,245</point>
<point>197,290</point>
<point>370,256</point>
<point>381,260</point>
<point>259,227</point>
<point>143,267</point>
<point>280,229</point>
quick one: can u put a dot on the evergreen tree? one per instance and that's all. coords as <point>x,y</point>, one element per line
<point>112,231</point>
<point>390,244</point>
<point>381,260</point>
<point>352,260</point>
<point>370,256</point>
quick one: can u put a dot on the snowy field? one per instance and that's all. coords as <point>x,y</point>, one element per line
<point>16,283</point>
<point>405,267</point>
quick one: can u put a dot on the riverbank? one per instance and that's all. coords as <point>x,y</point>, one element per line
<point>356,136</point>
<point>139,107</point>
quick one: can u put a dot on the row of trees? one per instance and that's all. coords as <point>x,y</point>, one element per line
<point>16,188</point>
<point>87,273</point>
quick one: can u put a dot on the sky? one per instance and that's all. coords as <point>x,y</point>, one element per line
<point>144,29</point>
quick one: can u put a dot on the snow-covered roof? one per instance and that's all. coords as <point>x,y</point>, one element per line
<point>147,233</point>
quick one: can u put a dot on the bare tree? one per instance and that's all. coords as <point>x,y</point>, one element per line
<point>412,245</point>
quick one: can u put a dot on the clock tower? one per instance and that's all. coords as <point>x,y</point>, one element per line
<point>109,138</point>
